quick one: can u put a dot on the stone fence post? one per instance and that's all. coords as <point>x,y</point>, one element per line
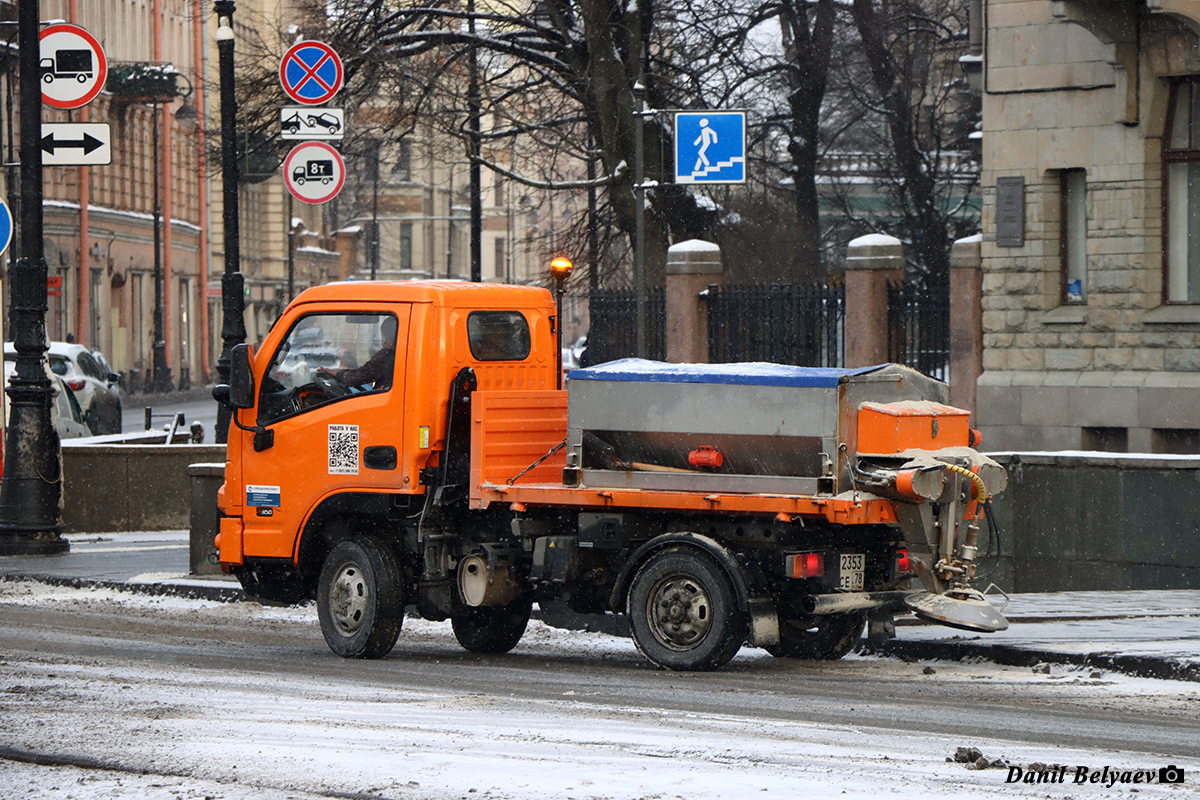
<point>872,262</point>
<point>691,267</point>
<point>966,321</point>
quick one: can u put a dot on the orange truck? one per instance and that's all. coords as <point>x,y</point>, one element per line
<point>405,447</point>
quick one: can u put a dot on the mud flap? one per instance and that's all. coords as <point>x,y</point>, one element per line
<point>764,622</point>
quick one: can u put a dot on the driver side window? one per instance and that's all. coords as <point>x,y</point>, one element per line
<point>325,357</point>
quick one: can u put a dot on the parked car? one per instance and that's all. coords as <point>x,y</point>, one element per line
<point>93,385</point>
<point>68,417</point>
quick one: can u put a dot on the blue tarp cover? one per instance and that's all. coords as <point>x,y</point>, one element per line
<point>748,374</point>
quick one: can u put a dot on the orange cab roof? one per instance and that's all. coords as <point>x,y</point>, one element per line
<point>441,293</point>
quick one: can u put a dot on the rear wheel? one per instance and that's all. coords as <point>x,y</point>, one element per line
<point>491,629</point>
<point>683,611</point>
<point>828,636</point>
<point>360,599</point>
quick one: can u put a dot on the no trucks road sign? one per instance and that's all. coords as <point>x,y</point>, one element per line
<point>72,66</point>
<point>314,172</point>
<point>311,73</point>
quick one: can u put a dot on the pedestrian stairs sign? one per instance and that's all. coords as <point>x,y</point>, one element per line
<point>710,147</point>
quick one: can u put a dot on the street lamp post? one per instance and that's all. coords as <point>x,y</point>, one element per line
<point>161,381</point>
<point>31,491</point>
<point>233,326</point>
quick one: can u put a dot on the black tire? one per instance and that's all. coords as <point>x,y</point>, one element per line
<point>109,421</point>
<point>827,637</point>
<point>491,629</point>
<point>683,611</point>
<point>360,598</point>
<point>92,419</point>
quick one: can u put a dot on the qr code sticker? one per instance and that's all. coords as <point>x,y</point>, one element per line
<point>343,449</point>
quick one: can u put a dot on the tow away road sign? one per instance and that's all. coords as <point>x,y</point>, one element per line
<point>710,147</point>
<point>311,73</point>
<point>72,66</point>
<point>314,172</point>
<point>300,122</point>
<point>76,144</point>
<point>6,227</point>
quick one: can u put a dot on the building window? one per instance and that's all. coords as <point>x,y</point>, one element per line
<point>1073,235</point>
<point>500,256</point>
<point>402,171</point>
<point>1181,163</point>
<point>406,244</point>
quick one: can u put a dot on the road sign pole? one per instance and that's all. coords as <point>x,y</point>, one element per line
<point>639,200</point>
<point>233,326</point>
<point>31,490</point>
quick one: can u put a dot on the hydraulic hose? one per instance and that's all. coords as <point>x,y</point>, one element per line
<point>993,539</point>
<point>980,488</point>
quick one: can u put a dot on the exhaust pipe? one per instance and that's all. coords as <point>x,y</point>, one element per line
<point>843,602</point>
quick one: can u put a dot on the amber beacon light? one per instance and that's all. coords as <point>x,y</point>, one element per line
<point>560,268</point>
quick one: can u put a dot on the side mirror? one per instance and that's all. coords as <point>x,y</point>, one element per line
<point>241,378</point>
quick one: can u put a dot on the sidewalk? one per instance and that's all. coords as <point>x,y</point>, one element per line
<point>1152,634</point>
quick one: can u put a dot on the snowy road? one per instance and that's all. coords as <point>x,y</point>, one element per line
<point>233,702</point>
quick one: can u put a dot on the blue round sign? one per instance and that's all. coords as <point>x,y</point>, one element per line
<point>311,72</point>
<point>6,227</point>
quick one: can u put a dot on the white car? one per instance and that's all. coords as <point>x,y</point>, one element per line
<point>66,414</point>
<point>93,385</point>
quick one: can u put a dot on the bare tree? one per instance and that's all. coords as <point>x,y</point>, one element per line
<point>909,50</point>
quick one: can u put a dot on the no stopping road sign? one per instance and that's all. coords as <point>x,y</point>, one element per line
<point>310,73</point>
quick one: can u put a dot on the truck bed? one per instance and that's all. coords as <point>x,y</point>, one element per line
<point>512,430</point>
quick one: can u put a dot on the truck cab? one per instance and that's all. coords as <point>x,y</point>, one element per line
<point>309,449</point>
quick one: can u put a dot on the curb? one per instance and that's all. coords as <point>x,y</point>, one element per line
<point>1007,655</point>
<point>221,594</point>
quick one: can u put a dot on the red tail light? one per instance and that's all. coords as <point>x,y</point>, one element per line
<point>903,565</point>
<point>76,384</point>
<point>805,565</point>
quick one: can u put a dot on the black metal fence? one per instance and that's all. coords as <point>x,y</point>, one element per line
<point>613,331</point>
<point>780,323</point>
<point>919,327</point>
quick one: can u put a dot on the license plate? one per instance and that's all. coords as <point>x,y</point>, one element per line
<point>850,572</point>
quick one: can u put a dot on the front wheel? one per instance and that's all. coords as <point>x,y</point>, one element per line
<point>683,611</point>
<point>826,637</point>
<point>360,599</point>
<point>491,629</point>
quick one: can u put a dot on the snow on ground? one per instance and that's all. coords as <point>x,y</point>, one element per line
<point>249,735</point>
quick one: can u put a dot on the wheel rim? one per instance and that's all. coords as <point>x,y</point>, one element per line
<point>679,612</point>
<point>349,597</point>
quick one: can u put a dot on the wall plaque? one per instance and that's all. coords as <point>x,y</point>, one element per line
<point>1010,212</point>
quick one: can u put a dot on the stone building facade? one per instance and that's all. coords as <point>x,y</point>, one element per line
<point>1091,247</point>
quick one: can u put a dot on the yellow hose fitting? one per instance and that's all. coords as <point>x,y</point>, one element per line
<point>980,487</point>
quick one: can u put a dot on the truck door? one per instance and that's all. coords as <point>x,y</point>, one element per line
<point>332,400</point>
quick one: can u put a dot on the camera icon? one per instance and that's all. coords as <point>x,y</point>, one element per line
<point>1170,774</point>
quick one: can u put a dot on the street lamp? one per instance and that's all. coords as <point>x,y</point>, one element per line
<point>560,268</point>
<point>233,326</point>
<point>31,492</point>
